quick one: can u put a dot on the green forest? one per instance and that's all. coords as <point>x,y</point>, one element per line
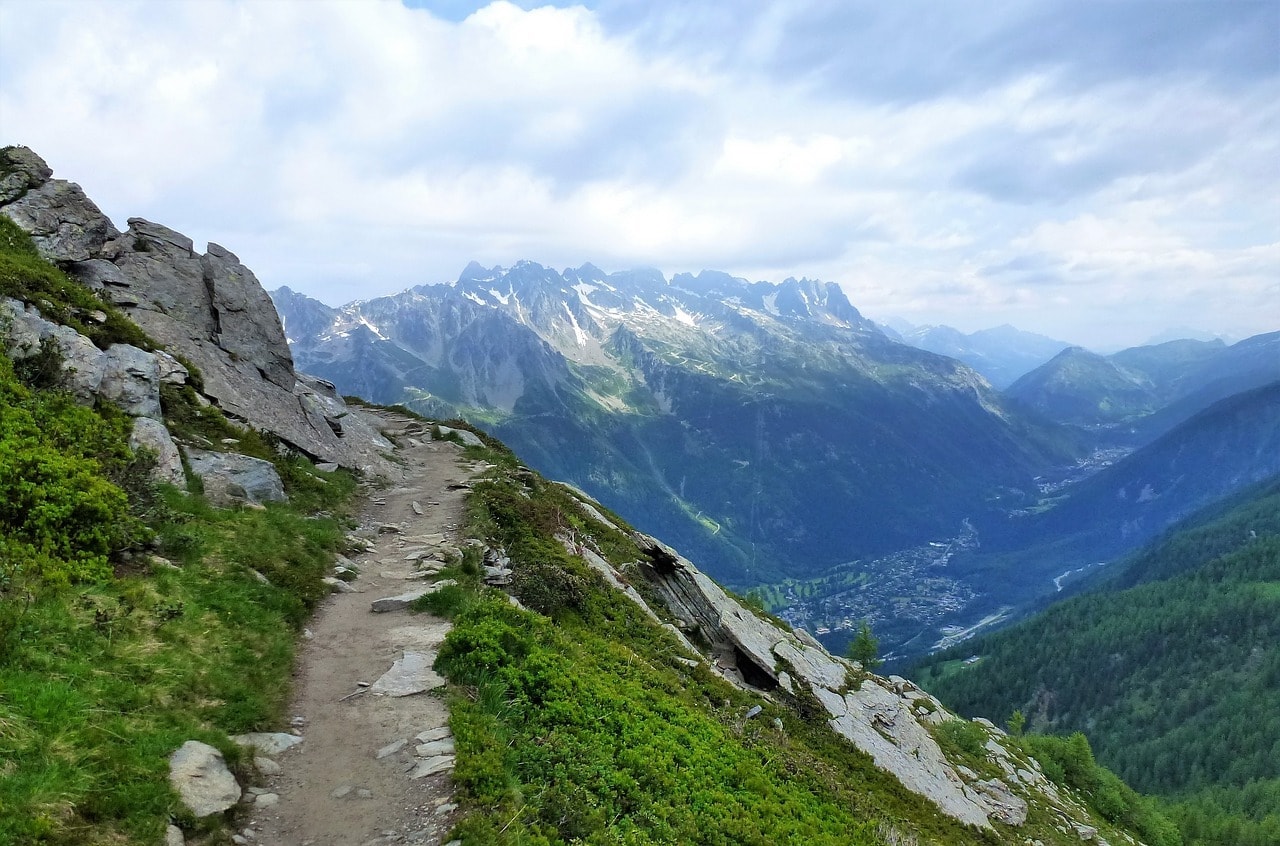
<point>1171,668</point>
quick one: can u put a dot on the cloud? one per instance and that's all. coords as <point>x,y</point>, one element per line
<point>949,164</point>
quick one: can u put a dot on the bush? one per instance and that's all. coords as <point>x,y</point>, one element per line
<point>962,736</point>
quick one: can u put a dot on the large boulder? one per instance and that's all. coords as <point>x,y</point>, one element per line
<point>149,433</point>
<point>230,478</point>
<point>200,776</point>
<point>131,380</point>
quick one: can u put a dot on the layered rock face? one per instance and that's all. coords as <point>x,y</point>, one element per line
<point>208,308</point>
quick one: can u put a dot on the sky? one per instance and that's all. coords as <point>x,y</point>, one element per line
<point>1095,170</point>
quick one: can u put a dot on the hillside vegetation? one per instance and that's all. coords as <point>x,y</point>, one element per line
<point>1172,669</point>
<point>131,619</point>
<point>579,719</point>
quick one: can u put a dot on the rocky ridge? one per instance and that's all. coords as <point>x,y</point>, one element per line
<point>207,308</point>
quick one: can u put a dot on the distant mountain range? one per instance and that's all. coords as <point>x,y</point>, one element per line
<point>1001,354</point>
<point>770,429</point>
<point>1141,392</point>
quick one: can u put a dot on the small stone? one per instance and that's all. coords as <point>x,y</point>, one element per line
<point>266,800</point>
<point>435,747</point>
<point>398,602</point>
<point>257,791</point>
<point>362,793</point>
<point>390,749</point>
<point>338,585</point>
<point>446,809</point>
<point>417,508</point>
<point>431,766</point>
<point>341,792</point>
<point>434,734</point>
<point>268,742</point>
<point>239,840</point>
<point>173,836</point>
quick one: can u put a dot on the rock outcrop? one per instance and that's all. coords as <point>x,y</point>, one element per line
<point>208,308</point>
<point>890,719</point>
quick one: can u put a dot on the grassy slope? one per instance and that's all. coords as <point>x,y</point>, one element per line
<point>579,718</point>
<point>109,658</point>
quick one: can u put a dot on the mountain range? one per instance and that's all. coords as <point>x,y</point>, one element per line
<point>707,408</point>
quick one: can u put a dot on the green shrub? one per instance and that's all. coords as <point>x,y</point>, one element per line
<point>962,736</point>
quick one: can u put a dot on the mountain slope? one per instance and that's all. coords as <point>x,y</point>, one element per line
<point>1223,449</point>
<point>704,406</point>
<point>1172,667</point>
<point>1137,394</point>
<point>1001,354</point>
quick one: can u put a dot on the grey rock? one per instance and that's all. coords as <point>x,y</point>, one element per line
<point>82,362</point>
<point>201,779</point>
<point>23,170</point>
<point>171,370</point>
<point>230,478</point>
<point>411,673</point>
<point>266,800</point>
<point>131,380</point>
<point>391,749</point>
<point>99,274</point>
<point>431,766</point>
<point>342,791</point>
<point>64,224</point>
<point>399,602</point>
<point>338,585</point>
<point>247,325</point>
<point>173,836</point>
<point>433,734</point>
<point>327,466</point>
<point>466,437</point>
<point>266,766</point>
<point>268,742</point>
<point>1002,804</point>
<point>149,433</point>
<point>443,746</point>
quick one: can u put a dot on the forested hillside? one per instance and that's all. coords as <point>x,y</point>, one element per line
<point>1172,669</point>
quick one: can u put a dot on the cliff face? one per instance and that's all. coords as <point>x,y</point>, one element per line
<point>208,308</point>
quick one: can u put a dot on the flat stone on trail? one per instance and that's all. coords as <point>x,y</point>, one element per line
<point>268,742</point>
<point>417,508</point>
<point>201,779</point>
<point>391,749</point>
<point>431,766</point>
<point>399,602</point>
<point>266,766</point>
<point>435,747</point>
<point>434,734</point>
<point>410,674</point>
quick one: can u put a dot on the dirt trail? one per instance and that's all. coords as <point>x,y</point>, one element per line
<point>332,789</point>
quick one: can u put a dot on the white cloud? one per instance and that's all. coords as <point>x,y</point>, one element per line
<point>347,149</point>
